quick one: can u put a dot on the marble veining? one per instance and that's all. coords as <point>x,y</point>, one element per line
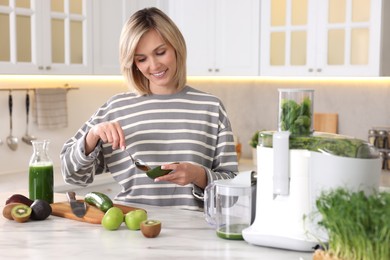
<point>185,235</point>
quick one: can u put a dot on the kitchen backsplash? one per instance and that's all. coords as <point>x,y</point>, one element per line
<point>251,103</point>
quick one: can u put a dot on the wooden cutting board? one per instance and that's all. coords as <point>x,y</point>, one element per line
<point>93,214</point>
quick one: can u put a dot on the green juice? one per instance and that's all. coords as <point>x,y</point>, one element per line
<point>232,232</point>
<point>41,182</point>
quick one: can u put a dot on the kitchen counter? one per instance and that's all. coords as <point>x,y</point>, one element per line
<point>184,235</point>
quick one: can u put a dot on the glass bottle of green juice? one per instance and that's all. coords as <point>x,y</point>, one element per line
<point>41,179</point>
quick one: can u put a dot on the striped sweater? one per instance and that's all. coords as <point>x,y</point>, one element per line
<point>189,126</point>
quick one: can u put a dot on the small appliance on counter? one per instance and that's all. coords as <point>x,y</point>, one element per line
<point>294,165</point>
<point>229,204</point>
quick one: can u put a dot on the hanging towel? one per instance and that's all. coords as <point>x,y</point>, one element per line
<point>50,109</point>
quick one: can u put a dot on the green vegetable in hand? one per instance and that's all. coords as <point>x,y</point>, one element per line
<point>100,200</point>
<point>358,225</point>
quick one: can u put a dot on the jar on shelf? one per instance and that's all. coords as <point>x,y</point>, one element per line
<point>372,135</point>
<point>387,161</point>
<point>381,139</point>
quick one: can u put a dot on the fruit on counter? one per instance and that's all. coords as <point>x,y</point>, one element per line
<point>41,209</point>
<point>99,200</point>
<point>19,198</point>
<point>112,219</point>
<point>8,208</point>
<point>150,228</point>
<point>21,213</point>
<point>134,218</point>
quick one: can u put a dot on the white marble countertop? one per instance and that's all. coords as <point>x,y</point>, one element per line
<point>185,235</point>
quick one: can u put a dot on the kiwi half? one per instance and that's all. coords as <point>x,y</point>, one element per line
<point>150,228</point>
<point>21,213</point>
<point>8,208</point>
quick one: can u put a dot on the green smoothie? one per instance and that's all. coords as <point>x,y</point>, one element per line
<point>41,182</point>
<point>233,232</point>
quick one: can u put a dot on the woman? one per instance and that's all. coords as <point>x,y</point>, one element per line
<point>164,122</point>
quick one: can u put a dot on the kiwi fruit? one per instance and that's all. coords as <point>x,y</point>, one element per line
<point>8,208</point>
<point>150,228</point>
<point>21,213</point>
<point>41,209</point>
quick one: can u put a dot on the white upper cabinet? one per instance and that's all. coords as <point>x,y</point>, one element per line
<point>320,38</point>
<point>222,37</point>
<point>109,18</point>
<point>45,37</point>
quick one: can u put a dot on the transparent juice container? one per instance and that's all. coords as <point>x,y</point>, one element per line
<point>41,179</point>
<point>296,111</point>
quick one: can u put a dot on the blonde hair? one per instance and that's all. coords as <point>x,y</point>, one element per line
<point>136,26</point>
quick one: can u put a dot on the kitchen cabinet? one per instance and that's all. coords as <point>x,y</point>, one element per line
<point>45,37</point>
<point>222,37</point>
<point>109,17</point>
<point>320,38</point>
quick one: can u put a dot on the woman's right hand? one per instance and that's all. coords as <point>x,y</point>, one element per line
<point>108,132</point>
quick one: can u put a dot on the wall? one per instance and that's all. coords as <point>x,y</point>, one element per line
<point>82,103</point>
<point>252,104</point>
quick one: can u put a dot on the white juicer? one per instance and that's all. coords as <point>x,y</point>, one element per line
<point>292,171</point>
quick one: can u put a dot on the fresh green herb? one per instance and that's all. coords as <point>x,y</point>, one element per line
<point>358,225</point>
<point>254,140</point>
<point>326,143</point>
<point>296,118</point>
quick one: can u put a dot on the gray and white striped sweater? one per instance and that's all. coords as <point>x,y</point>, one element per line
<point>189,126</point>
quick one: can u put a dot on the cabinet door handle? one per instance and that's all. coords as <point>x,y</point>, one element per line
<point>310,70</point>
<point>210,70</point>
<point>319,70</point>
<point>48,68</point>
<point>40,67</point>
<point>216,70</point>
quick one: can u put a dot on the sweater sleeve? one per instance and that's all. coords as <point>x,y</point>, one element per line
<point>77,167</point>
<point>225,164</point>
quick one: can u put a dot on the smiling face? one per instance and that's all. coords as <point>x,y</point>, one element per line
<point>156,60</point>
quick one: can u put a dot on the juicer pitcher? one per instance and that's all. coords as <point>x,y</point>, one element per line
<point>228,205</point>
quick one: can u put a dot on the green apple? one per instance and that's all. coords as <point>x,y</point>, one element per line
<point>112,219</point>
<point>134,218</point>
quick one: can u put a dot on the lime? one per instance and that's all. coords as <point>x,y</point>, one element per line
<point>112,219</point>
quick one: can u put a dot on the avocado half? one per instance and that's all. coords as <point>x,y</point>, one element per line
<point>157,172</point>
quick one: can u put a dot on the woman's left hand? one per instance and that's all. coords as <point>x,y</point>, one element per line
<point>184,173</point>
